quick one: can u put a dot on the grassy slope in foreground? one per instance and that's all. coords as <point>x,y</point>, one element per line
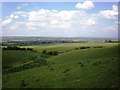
<point>94,67</point>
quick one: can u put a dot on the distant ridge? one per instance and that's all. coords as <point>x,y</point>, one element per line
<point>7,38</point>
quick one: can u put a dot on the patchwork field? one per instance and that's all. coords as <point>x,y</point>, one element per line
<point>77,65</point>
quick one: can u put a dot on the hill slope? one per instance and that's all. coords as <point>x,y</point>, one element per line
<point>86,68</point>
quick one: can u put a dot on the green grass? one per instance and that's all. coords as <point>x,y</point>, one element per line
<point>87,68</point>
<point>13,57</point>
<point>67,46</point>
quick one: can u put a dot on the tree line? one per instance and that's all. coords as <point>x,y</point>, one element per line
<point>16,48</point>
<point>50,52</point>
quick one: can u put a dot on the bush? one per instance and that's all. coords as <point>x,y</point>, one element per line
<point>50,52</point>
<point>96,63</point>
<point>55,52</point>
<point>30,49</point>
<point>44,51</point>
<point>22,83</point>
<point>76,48</point>
<point>41,62</point>
<point>87,47</point>
<point>79,63</point>
<point>67,69</point>
<point>83,47</point>
<point>98,46</point>
<point>82,65</point>
<point>51,69</point>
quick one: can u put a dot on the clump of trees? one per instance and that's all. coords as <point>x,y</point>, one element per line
<point>111,41</point>
<point>84,47</point>
<point>16,48</point>
<point>50,52</point>
<point>98,46</point>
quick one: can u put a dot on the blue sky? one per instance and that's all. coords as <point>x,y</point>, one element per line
<point>63,19</point>
<point>10,7</point>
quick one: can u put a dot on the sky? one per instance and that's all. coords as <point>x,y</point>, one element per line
<point>60,19</point>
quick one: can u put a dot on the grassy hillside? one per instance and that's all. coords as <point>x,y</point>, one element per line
<point>76,68</point>
<point>14,57</point>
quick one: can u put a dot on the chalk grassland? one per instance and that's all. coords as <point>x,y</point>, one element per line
<point>93,67</point>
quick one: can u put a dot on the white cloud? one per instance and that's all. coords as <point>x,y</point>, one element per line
<point>6,22</point>
<point>16,17</point>
<point>21,13</point>
<point>89,22</point>
<point>13,16</point>
<point>36,24</point>
<point>50,15</point>
<point>111,28</point>
<point>17,25</point>
<point>115,8</point>
<point>54,19</point>
<point>48,19</point>
<point>110,14</point>
<point>37,15</point>
<point>9,19</point>
<point>86,5</point>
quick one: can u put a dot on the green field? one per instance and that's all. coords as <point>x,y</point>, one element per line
<point>73,67</point>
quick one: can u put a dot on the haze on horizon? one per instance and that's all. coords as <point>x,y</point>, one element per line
<point>60,19</point>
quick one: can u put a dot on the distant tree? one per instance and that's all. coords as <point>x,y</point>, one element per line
<point>106,41</point>
<point>22,48</point>
<point>4,48</point>
<point>9,48</point>
<point>109,41</point>
<point>76,48</point>
<point>55,52</point>
<point>87,47</point>
<point>82,47</point>
<point>50,53</point>
<point>14,47</point>
<point>98,46</point>
<point>44,51</point>
<point>30,49</point>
